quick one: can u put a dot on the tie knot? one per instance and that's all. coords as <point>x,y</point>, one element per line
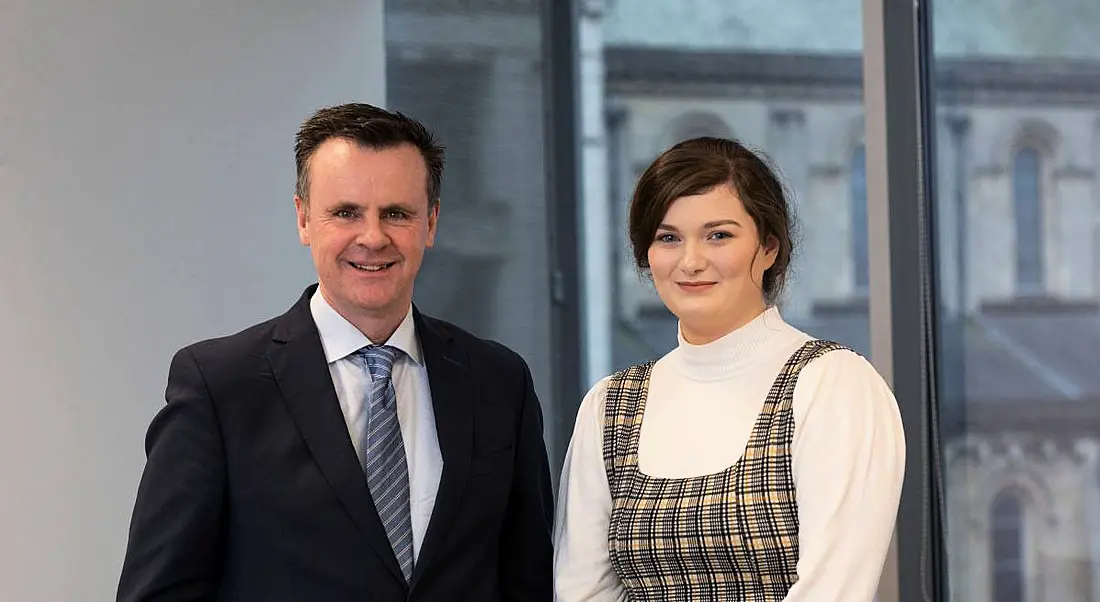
<point>379,359</point>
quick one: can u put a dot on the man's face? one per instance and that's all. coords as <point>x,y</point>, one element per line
<point>367,223</point>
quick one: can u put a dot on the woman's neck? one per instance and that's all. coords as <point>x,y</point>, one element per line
<point>758,340</point>
<point>703,333</point>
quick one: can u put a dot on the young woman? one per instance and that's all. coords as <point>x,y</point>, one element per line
<point>752,462</point>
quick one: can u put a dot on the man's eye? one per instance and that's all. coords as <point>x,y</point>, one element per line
<point>344,214</point>
<point>395,214</point>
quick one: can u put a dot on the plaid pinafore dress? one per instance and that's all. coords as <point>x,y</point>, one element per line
<point>730,535</point>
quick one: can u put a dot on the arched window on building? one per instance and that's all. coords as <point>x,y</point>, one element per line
<point>1007,547</point>
<point>1028,214</point>
<point>858,211</point>
<point>697,124</point>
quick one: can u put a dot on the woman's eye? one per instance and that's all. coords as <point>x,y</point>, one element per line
<point>721,235</point>
<point>666,238</point>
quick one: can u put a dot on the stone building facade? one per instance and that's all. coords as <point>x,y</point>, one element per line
<point>1017,244</point>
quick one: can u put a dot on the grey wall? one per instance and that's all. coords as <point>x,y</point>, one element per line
<point>146,184</point>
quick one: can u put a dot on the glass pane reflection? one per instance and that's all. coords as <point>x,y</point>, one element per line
<point>786,82</point>
<point>1017,151</point>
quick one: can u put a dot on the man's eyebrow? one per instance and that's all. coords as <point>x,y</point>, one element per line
<point>406,207</point>
<point>344,206</point>
<point>350,206</point>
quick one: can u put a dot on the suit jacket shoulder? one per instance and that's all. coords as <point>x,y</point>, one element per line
<point>227,358</point>
<point>484,354</point>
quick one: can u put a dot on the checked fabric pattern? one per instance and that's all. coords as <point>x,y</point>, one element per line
<point>731,535</point>
<point>384,457</point>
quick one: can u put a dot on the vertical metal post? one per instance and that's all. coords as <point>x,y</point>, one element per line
<point>901,268</point>
<point>563,189</point>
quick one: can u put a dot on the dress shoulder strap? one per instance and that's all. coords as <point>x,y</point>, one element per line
<point>782,390</point>
<point>623,410</point>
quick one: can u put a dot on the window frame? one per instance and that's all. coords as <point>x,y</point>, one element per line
<point>857,205</point>
<point>1028,284</point>
<point>1018,517</point>
<point>561,20</point>
<point>900,136</point>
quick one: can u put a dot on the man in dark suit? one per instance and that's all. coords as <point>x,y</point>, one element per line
<point>352,448</point>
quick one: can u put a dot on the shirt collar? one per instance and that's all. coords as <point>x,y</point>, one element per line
<point>341,338</point>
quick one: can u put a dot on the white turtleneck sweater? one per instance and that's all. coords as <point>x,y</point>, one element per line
<point>848,457</point>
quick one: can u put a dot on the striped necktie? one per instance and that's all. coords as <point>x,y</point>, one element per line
<point>384,455</point>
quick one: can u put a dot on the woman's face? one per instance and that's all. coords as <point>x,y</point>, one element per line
<point>708,264</point>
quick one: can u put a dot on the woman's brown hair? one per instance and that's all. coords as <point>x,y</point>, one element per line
<point>698,165</point>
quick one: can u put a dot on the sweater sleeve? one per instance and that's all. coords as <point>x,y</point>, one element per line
<point>848,463</point>
<point>582,565</point>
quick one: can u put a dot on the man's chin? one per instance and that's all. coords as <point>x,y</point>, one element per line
<point>367,303</point>
<point>379,304</point>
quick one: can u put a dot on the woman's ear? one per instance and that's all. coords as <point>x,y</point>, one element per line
<point>771,246</point>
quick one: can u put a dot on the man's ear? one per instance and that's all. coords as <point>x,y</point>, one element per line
<point>301,208</point>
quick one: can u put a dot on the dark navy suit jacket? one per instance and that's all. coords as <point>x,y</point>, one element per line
<point>252,490</point>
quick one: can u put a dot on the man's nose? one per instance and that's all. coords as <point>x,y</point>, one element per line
<point>372,235</point>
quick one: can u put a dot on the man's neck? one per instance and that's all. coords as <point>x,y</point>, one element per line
<point>376,330</point>
<point>377,326</point>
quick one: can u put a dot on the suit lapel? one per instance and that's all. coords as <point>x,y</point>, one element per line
<point>452,400</point>
<point>298,362</point>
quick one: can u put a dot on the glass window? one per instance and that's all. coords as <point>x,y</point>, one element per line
<point>785,82</point>
<point>473,72</point>
<point>858,208</point>
<point>1007,547</point>
<point>1018,326</point>
<point>695,125</point>
<point>1027,204</point>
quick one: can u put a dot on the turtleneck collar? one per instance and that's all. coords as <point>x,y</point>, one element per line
<point>756,341</point>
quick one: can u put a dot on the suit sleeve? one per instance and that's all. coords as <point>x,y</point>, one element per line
<point>526,552</point>
<point>174,553</point>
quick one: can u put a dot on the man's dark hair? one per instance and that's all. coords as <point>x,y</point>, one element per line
<point>370,127</point>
